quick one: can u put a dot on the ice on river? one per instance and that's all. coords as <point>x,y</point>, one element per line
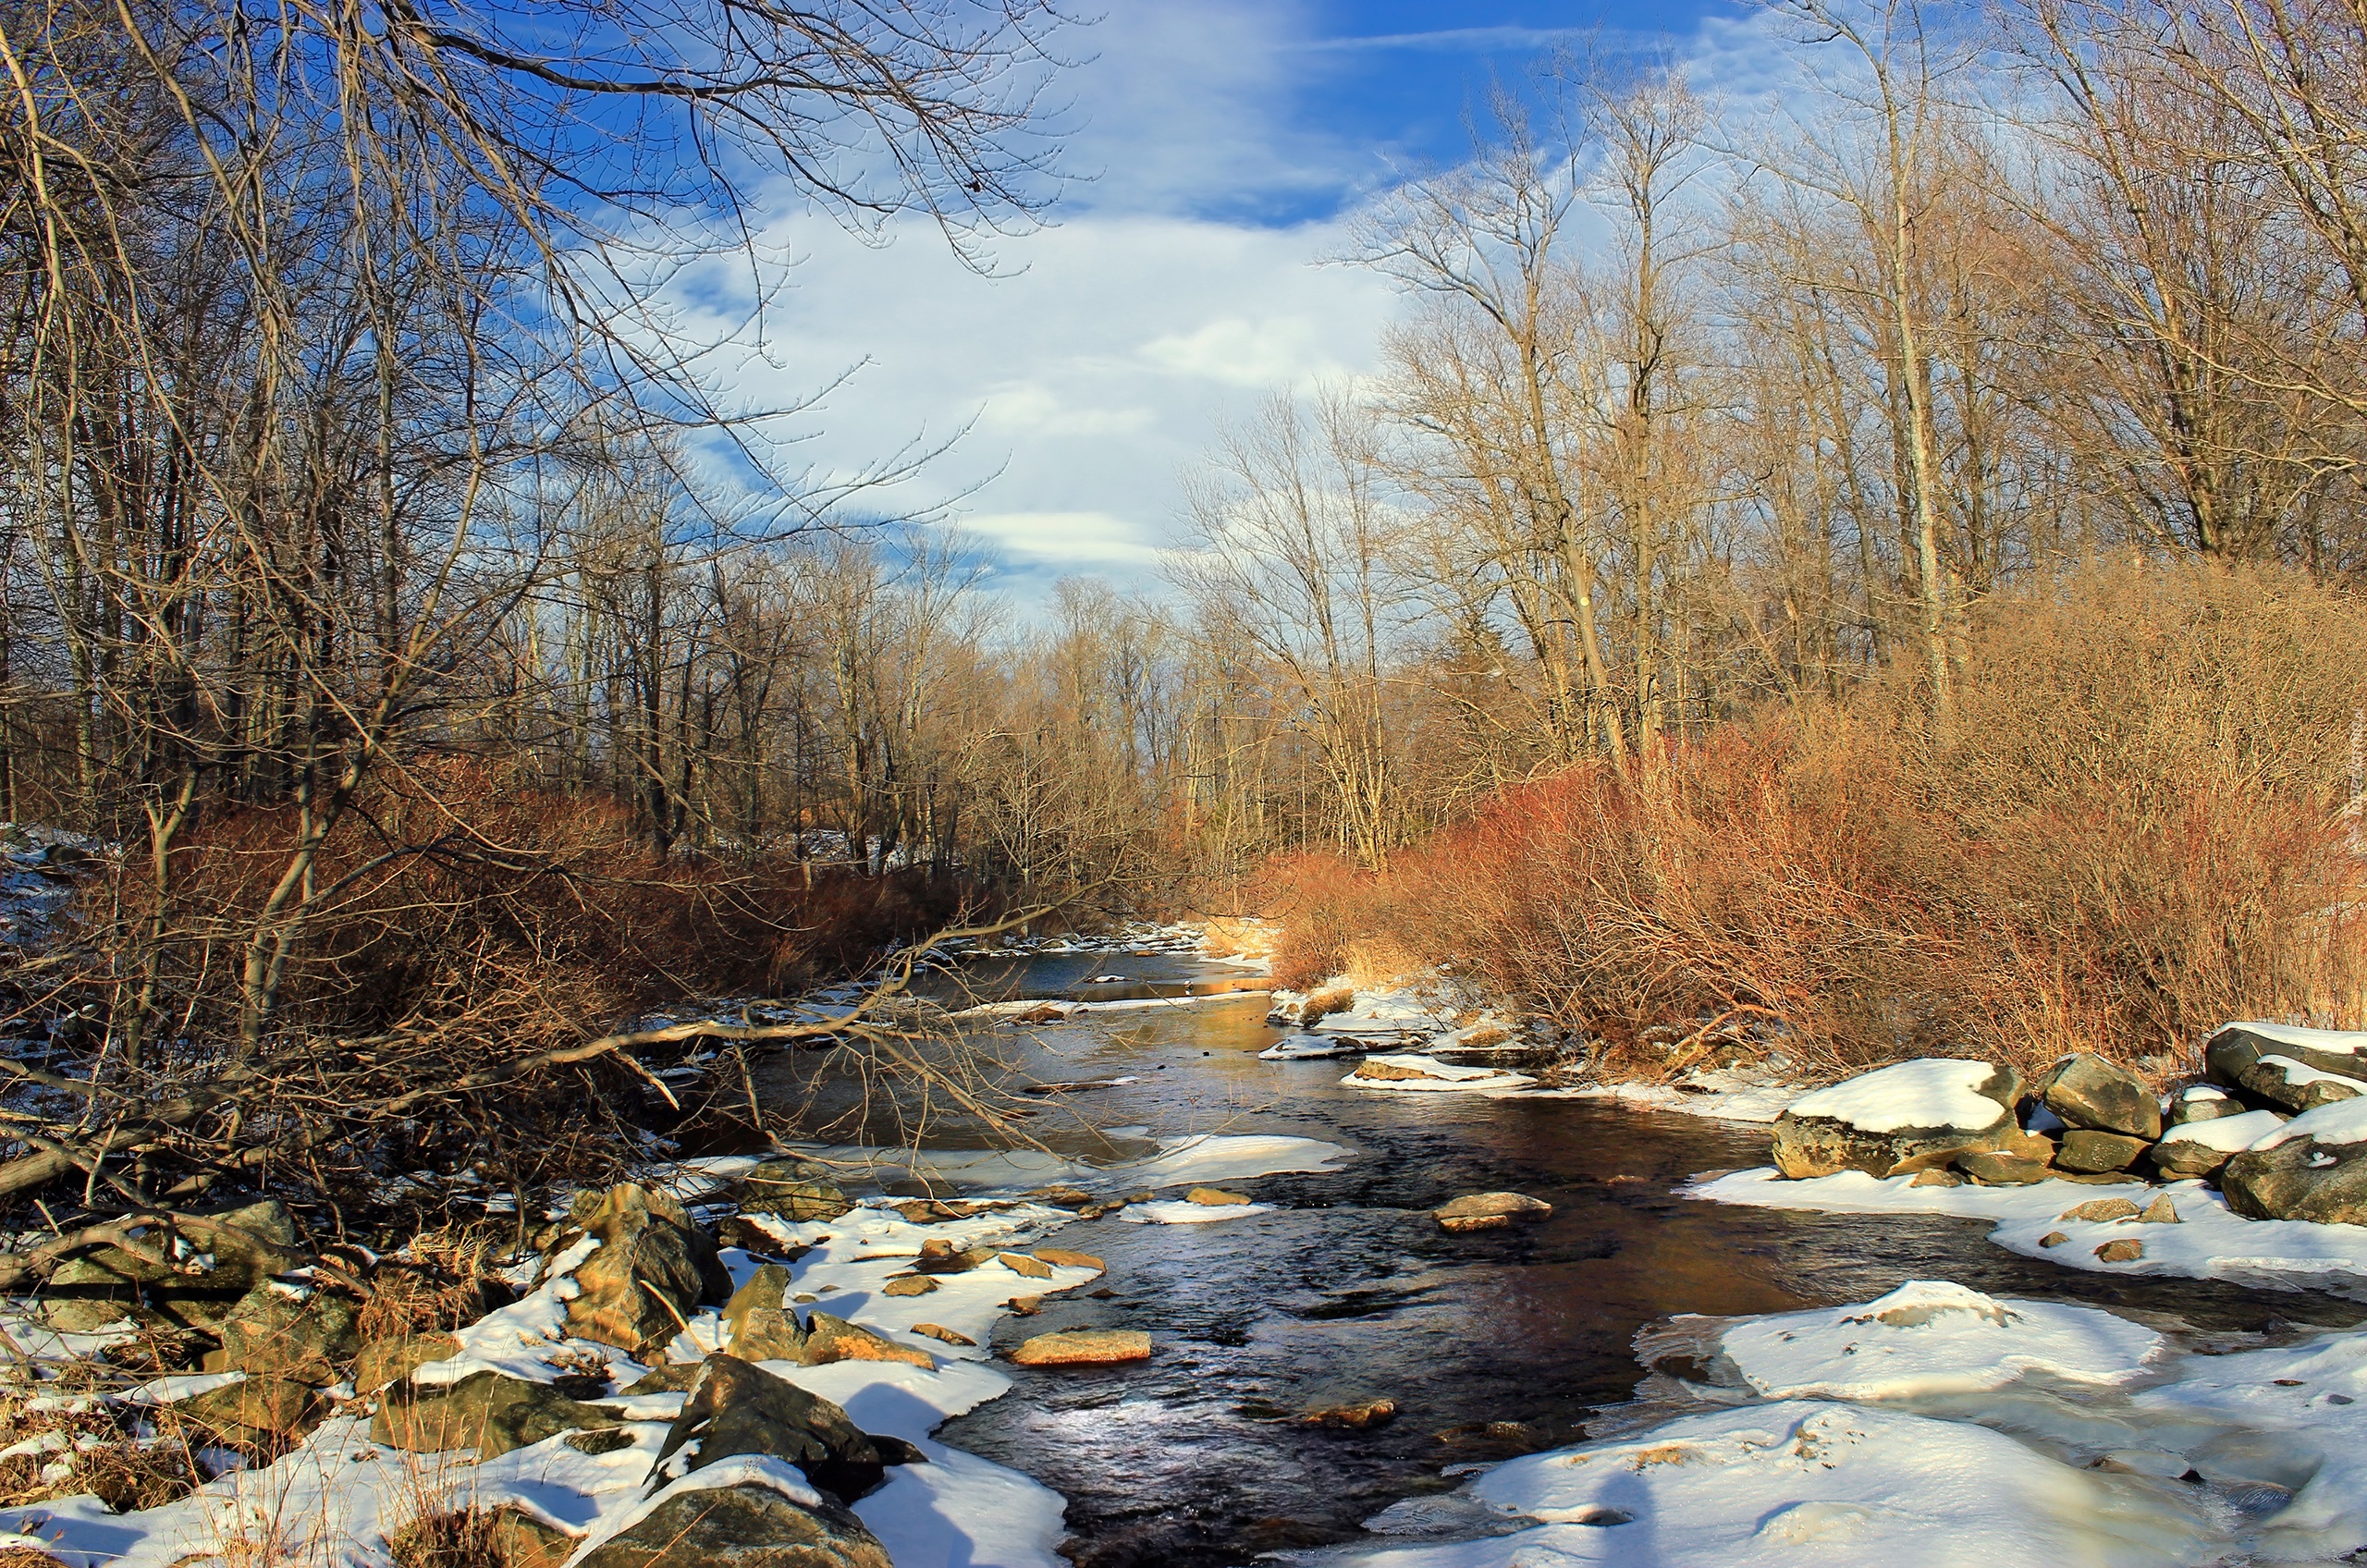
<point>1932,1336</point>
<point>2209,1244</point>
<point>1807,1482</point>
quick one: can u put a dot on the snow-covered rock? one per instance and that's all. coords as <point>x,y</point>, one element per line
<point>2289,1068</point>
<point>2192,1149</point>
<point>2313,1168</point>
<point>1879,1120</point>
<point>2094,1094</point>
<point>1423,1072</point>
<point>1806,1482</point>
<point>1931,1336</point>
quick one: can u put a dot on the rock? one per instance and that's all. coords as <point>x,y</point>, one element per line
<point>1353,1417</point>
<point>829,1339</point>
<point>2202,1149</point>
<point>1084,1347</point>
<point>2093,1151</point>
<point>1062,1198</point>
<point>1020,1263</point>
<point>2201,1103</point>
<point>2339,1051</point>
<point>254,1414</point>
<point>1215,1197</point>
<point>86,1314</point>
<point>735,1408</point>
<point>747,1525</point>
<point>2052,1239</point>
<point>941,1256</point>
<point>240,1250</point>
<point>2123,1251</point>
<point>908,1285</point>
<point>2312,1168</point>
<point>794,1189</point>
<point>2096,1211</point>
<point>306,1334</point>
<point>382,1361</point>
<point>668,1378</point>
<point>2161,1211</point>
<point>2091,1094</point>
<point>938,1331</point>
<point>2268,1072</point>
<point>1992,1170</point>
<point>651,1270</point>
<point>520,1540</point>
<point>1936,1178</point>
<point>1061,1258</point>
<point>1026,1306</point>
<point>1488,1211</point>
<point>749,1235</point>
<point>761,1327</point>
<point>485,1411</point>
<point>1877,1120</point>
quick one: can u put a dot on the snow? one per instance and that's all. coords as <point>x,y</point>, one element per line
<point>1437,1076</point>
<point>1930,1093</point>
<point>1933,1337</point>
<point>1189,1213</point>
<point>1208,1157</point>
<point>2344,1121</point>
<point>2297,1074</point>
<point>2209,1242</point>
<point>1722,1093</point>
<point>2228,1134</point>
<point>1304,1046</point>
<point>2342,1041</point>
<point>1229,1157</point>
<point>1807,1482</point>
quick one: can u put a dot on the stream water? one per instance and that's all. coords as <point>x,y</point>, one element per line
<point>1492,1343</point>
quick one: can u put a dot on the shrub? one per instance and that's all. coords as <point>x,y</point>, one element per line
<point>2133,832</point>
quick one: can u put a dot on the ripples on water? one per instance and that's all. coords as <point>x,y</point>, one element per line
<point>1492,1343</point>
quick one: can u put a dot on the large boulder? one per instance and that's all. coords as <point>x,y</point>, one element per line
<point>1920,1111</point>
<point>485,1411</point>
<point>794,1189</point>
<point>2198,1150</point>
<point>2312,1168</point>
<point>737,1408</point>
<point>2088,1092</point>
<point>231,1254</point>
<point>258,1415</point>
<point>750,1525</point>
<point>290,1331</point>
<point>2272,1065</point>
<point>2090,1152</point>
<point>651,1270</point>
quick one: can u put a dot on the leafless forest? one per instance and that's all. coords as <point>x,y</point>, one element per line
<point>374,587</point>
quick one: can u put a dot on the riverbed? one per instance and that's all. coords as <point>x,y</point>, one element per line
<point>1492,1343</point>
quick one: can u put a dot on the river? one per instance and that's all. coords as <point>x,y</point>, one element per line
<point>1492,1343</point>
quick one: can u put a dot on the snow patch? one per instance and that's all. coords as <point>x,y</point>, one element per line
<point>1934,1092</point>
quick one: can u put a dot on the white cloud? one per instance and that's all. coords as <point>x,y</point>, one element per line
<point>1066,540</point>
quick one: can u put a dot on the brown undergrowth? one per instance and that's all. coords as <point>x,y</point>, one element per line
<point>2134,829</point>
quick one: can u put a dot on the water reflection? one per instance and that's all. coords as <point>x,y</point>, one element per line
<point>1492,1343</point>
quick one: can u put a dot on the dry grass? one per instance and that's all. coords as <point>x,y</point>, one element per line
<point>93,1453</point>
<point>2133,833</point>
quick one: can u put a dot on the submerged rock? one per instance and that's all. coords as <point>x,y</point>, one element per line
<point>2091,1094</point>
<point>1365,1418</point>
<point>1879,1120</point>
<point>1084,1347</point>
<point>1488,1211</point>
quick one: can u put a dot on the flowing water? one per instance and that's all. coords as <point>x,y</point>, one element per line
<point>1492,1343</point>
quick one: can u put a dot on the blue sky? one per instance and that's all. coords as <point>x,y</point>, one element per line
<point>1177,288</point>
